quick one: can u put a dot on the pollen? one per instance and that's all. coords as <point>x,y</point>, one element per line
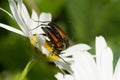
<point>46,45</point>
<point>53,56</point>
<point>34,41</point>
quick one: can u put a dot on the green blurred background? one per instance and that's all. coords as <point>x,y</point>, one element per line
<point>82,20</point>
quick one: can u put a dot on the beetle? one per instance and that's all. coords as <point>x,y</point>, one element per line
<point>58,39</point>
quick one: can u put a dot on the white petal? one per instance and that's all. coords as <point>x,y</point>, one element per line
<point>72,49</point>
<point>44,50</point>
<point>70,60</point>
<point>45,17</point>
<point>12,29</point>
<point>104,59</point>
<point>59,76</point>
<point>34,19</point>
<point>36,28</point>
<point>63,66</point>
<point>100,45</point>
<point>17,17</point>
<point>68,77</point>
<point>117,71</point>
<point>84,67</point>
<point>6,12</point>
<point>40,39</point>
<point>40,44</point>
<point>106,67</point>
<point>34,15</point>
<point>23,13</point>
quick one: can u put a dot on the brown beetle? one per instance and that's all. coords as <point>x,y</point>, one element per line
<point>58,39</point>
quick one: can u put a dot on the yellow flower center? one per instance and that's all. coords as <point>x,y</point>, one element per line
<point>52,55</point>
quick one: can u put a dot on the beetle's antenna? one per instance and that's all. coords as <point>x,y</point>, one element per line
<point>40,24</point>
<point>41,21</point>
<point>63,59</point>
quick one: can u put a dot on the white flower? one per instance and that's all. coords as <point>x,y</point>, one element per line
<point>76,60</point>
<point>29,26</point>
<point>85,67</point>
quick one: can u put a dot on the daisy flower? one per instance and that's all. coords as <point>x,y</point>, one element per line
<point>86,67</point>
<point>30,27</point>
<point>75,60</point>
<point>28,23</point>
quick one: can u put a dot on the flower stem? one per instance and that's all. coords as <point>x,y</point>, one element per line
<point>27,68</point>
